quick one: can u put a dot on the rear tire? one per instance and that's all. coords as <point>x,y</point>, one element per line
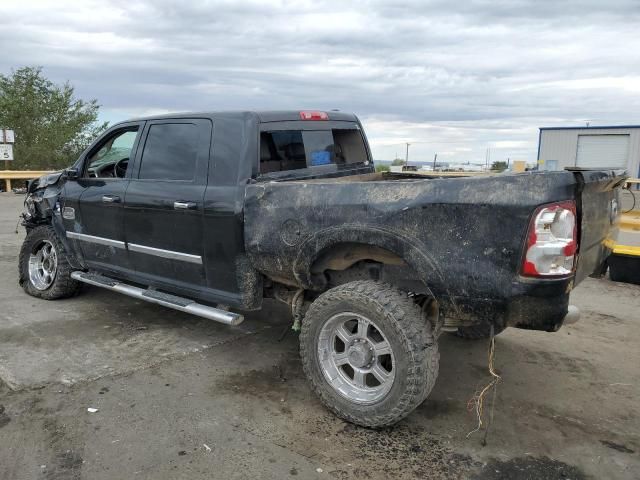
<point>369,353</point>
<point>44,267</point>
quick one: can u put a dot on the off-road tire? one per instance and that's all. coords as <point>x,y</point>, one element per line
<point>478,332</point>
<point>407,330</point>
<point>63,285</point>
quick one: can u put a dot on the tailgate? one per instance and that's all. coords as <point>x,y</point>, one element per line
<point>598,204</point>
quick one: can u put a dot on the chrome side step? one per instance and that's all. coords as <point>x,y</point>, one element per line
<point>164,299</point>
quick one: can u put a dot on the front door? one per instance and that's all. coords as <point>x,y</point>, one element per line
<point>163,206</point>
<point>94,217</point>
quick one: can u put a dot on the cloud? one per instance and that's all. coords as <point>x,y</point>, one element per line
<point>449,77</point>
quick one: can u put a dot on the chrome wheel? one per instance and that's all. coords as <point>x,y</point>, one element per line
<point>43,265</point>
<point>356,358</point>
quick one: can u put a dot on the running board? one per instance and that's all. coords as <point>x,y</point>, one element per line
<point>164,299</point>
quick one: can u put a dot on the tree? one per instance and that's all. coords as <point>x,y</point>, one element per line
<point>499,166</point>
<point>397,161</point>
<point>51,126</point>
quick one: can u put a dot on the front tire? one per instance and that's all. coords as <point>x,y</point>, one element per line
<point>43,265</point>
<point>369,352</point>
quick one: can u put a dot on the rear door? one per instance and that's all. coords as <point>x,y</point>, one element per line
<point>163,207</point>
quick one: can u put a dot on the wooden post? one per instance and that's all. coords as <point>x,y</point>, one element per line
<point>6,162</point>
<point>8,180</point>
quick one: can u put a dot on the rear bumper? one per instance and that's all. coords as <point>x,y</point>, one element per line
<point>540,305</point>
<point>535,313</point>
<point>532,305</point>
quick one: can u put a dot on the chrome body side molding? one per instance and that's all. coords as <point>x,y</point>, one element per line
<point>159,252</point>
<point>93,239</point>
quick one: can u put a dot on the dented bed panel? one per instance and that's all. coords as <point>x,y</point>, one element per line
<point>463,236</point>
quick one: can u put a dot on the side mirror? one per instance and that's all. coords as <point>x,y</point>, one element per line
<point>72,173</point>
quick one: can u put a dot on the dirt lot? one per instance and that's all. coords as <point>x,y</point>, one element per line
<point>182,397</point>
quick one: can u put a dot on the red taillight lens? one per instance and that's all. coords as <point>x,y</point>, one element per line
<point>309,115</point>
<point>552,241</point>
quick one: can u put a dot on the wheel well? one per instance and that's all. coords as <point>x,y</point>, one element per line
<point>349,261</point>
<point>344,255</point>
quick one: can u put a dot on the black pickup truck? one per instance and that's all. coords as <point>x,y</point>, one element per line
<point>215,211</point>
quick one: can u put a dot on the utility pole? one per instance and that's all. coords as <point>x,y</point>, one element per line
<point>435,157</point>
<point>406,158</point>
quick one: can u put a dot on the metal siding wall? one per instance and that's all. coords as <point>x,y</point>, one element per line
<point>559,145</point>
<point>562,145</point>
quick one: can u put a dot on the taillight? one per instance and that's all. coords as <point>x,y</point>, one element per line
<point>309,115</point>
<point>552,241</point>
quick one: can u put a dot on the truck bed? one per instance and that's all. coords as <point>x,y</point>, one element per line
<point>463,237</point>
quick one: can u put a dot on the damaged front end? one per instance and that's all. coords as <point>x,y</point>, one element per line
<point>42,199</point>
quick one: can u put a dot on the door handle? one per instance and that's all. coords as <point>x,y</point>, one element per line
<point>185,205</point>
<point>111,199</point>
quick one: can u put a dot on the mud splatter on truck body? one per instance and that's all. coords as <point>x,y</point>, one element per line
<point>462,238</point>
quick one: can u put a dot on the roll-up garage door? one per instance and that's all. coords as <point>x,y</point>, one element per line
<point>598,151</point>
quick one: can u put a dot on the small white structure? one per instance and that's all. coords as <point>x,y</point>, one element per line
<point>466,167</point>
<point>403,168</point>
<point>590,147</point>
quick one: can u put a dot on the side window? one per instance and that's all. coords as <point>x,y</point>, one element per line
<point>111,159</point>
<point>170,152</point>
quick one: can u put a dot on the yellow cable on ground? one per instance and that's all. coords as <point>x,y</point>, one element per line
<point>477,401</point>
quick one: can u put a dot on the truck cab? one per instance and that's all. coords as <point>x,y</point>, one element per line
<point>160,201</point>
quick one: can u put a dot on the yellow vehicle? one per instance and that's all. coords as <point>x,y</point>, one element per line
<point>624,262</point>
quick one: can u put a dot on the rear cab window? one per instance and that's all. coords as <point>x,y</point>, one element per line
<point>301,150</point>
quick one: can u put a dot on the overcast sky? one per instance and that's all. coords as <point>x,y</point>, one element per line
<point>451,77</point>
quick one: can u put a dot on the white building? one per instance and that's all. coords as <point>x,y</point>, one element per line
<point>590,147</point>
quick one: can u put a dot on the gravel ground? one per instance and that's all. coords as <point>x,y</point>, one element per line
<point>181,397</point>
